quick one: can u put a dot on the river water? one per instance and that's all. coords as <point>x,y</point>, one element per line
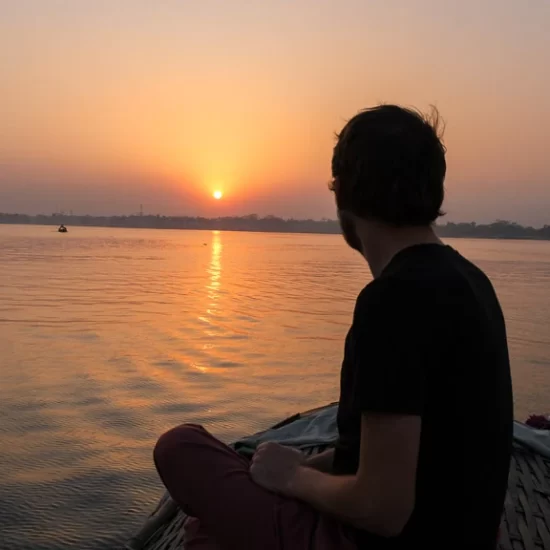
<point>111,336</point>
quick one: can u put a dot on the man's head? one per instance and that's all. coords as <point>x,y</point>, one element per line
<point>388,167</point>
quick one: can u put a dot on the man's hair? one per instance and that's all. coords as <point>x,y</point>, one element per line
<point>389,165</point>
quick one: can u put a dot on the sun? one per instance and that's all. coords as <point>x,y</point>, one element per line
<point>217,195</point>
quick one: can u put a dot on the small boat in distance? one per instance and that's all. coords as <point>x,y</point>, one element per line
<point>62,229</point>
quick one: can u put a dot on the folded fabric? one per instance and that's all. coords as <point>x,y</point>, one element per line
<point>312,430</point>
<point>538,440</point>
<point>319,428</point>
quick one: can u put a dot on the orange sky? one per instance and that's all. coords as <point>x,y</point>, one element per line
<point>108,104</point>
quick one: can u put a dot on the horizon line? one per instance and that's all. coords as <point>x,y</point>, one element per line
<point>248,217</point>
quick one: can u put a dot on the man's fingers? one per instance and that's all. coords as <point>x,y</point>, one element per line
<point>266,445</point>
<point>260,452</point>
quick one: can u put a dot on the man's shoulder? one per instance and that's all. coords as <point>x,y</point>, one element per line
<point>391,297</point>
<point>387,290</point>
<point>452,285</point>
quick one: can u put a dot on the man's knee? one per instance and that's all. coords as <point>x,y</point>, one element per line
<point>173,447</point>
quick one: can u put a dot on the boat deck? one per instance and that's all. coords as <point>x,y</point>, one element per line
<point>525,525</point>
<point>526,520</point>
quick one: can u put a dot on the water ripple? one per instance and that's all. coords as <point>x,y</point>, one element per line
<point>111,337</point>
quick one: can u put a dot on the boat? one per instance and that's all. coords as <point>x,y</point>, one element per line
<point>526,519</point>
<point>62,229</point>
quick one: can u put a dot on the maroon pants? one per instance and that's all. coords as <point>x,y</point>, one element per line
<point>227,510</point>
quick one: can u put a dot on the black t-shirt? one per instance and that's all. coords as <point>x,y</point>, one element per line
<point>428,338</point>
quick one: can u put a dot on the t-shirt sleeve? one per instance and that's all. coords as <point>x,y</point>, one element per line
<point>393,348</point>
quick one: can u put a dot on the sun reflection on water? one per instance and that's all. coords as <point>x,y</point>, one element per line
<point>213,292</point>
<point>215,270</point>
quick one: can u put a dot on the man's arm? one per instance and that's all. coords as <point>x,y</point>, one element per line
<point>393,354</point>
<point>380,497</point>
<point>321,462</point>
<point>392,357</point>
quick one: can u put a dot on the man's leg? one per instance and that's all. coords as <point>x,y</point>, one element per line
<point>195,536</point>
<point>211,482</point>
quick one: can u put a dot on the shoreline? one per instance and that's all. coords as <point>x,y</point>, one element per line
<point>253,224</point>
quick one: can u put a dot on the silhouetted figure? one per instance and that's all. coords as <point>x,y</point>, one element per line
<point>425,413</point>
<point>62,229</point>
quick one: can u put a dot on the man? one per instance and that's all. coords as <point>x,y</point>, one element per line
<point>425,413</point>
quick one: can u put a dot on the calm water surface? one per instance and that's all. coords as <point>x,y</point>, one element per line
<point>110,336</point>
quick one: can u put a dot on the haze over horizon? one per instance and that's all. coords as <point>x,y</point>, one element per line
<point>106,106</point>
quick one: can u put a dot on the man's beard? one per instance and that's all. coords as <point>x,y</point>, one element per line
<point>347,225</point>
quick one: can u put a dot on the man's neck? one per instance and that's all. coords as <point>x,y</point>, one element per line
<point>382,243</point>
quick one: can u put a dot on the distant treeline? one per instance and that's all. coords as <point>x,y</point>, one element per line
<point>501,229</point>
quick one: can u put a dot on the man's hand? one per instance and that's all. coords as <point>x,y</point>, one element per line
<point>379,498</point>
<point>275,467</point>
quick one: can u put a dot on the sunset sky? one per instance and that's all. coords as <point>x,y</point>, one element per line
<point>109,104</point>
